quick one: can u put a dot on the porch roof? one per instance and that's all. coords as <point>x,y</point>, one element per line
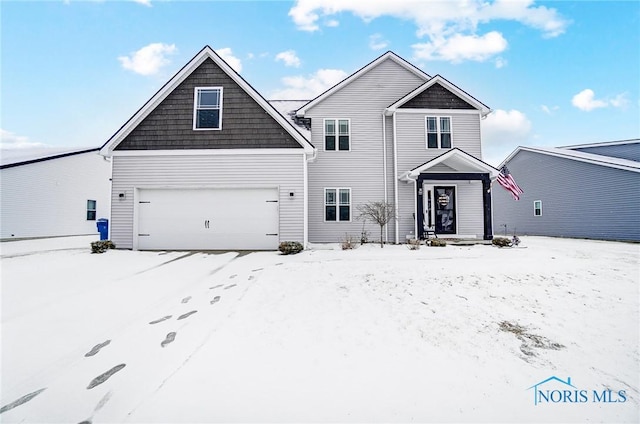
<point>456,159</point>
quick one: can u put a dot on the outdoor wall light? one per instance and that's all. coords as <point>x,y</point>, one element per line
<point>121,195</point>
<point>291,194</point>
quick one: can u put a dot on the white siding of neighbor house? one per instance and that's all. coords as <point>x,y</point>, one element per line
<point>285,171</point>
<point>49,198</point>
<point>361,169</point>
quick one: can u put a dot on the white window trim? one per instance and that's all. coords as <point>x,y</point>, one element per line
<point>94,210</point>
<point>195,108</point>
<point>439,133</point>
<point>534,207</point>
<point>337,126</point>
<point>324,203</point>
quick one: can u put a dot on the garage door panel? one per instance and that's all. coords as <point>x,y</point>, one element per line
<point>208,219</point>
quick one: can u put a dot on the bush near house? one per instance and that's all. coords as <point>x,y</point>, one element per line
<point>501,242</point>
<point>437,243</point>
<point>290,247</point>
<point>102,246</point>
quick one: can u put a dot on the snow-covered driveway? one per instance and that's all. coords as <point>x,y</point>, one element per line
<point>386,335</point>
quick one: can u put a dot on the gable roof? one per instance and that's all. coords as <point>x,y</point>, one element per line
<point>608,161</point>
<point>457,159</point>
<point>19,157</point>
<point>438,79</point>
<point>387,56</point>
<point>602,144</point>
<point>204,54</point>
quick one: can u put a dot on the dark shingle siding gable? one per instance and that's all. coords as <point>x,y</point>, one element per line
<point>245,124</point>
<point>436,97</point>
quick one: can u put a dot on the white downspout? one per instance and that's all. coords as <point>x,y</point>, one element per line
<point>305,207</point>
<point>384,170</point>
<point>395,176</point>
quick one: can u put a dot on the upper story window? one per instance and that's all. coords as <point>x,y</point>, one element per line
<point>438,132</point>
<point>207,108</point>
<point>337,134</point>
<point>91,210</point>
<point>337,204</point>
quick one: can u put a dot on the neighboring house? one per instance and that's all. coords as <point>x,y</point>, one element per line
<point>47,192</point>
<point>584,191</point>
<point>208,163</point>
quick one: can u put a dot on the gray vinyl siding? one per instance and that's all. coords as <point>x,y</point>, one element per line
<point>285,171</point>
<point>360,169</point>
<point>412,144</point>
<point>629,151</point>
<point>578,199</point>
<point>245,124</point>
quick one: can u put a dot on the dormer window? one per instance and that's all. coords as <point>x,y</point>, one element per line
<point>207,109</point>
<point>438,132</point>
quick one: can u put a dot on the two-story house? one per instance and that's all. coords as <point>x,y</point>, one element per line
<point>208,163</point>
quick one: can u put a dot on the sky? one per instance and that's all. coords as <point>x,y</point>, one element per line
<point>554,73</point>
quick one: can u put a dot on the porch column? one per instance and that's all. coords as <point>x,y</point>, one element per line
<point>486,202</point>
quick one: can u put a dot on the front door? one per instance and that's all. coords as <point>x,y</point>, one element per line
<point>444,203</point>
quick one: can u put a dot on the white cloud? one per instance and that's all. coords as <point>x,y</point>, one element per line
<point>149,59</point>
<point>289,58</point>
<point>227,55</point>
<point>10,141</point>
<point>377,42</point>
<point>446,24</point>
<point>305,88</point>
<point>502,126</point>
<point>620,101</point>
<point>459,47</point>
<point>332,23</point>
<point>585,100</point>
<point>502,132</point>
<point>433,18</point>
<point>501,62</point>
<point>143,2</point>
<point>549,110</point>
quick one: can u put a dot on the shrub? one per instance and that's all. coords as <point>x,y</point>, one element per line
<point>347,243</point>
<point>290,247</point>
<point>437,243</point>
<point>501,242</point>
<point>101,246</point>
<point>413,244</point>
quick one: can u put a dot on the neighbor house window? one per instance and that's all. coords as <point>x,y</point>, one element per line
<point>537,208</point>
<point>337,134</point>
<point>438,132</point>
<point>207,110</point>
<point>91,210</point>
<point>337,204</point>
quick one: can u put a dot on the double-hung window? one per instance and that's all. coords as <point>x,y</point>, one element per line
<point>438,132</point>
<point>207,108</point>
<point>91,210</point>
<point>337,134</point>
<point>337,204</point>
<point>537,208</point>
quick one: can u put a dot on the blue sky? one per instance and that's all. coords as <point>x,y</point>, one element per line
<point>554,73</point>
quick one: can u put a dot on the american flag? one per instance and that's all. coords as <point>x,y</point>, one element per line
<point>506,180</point>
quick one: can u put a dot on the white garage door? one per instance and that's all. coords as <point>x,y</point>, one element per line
<point>208,219</point>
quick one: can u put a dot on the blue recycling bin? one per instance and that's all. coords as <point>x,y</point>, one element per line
<point>103,228</point>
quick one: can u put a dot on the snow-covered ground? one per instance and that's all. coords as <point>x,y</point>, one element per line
<point>368,335</point>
